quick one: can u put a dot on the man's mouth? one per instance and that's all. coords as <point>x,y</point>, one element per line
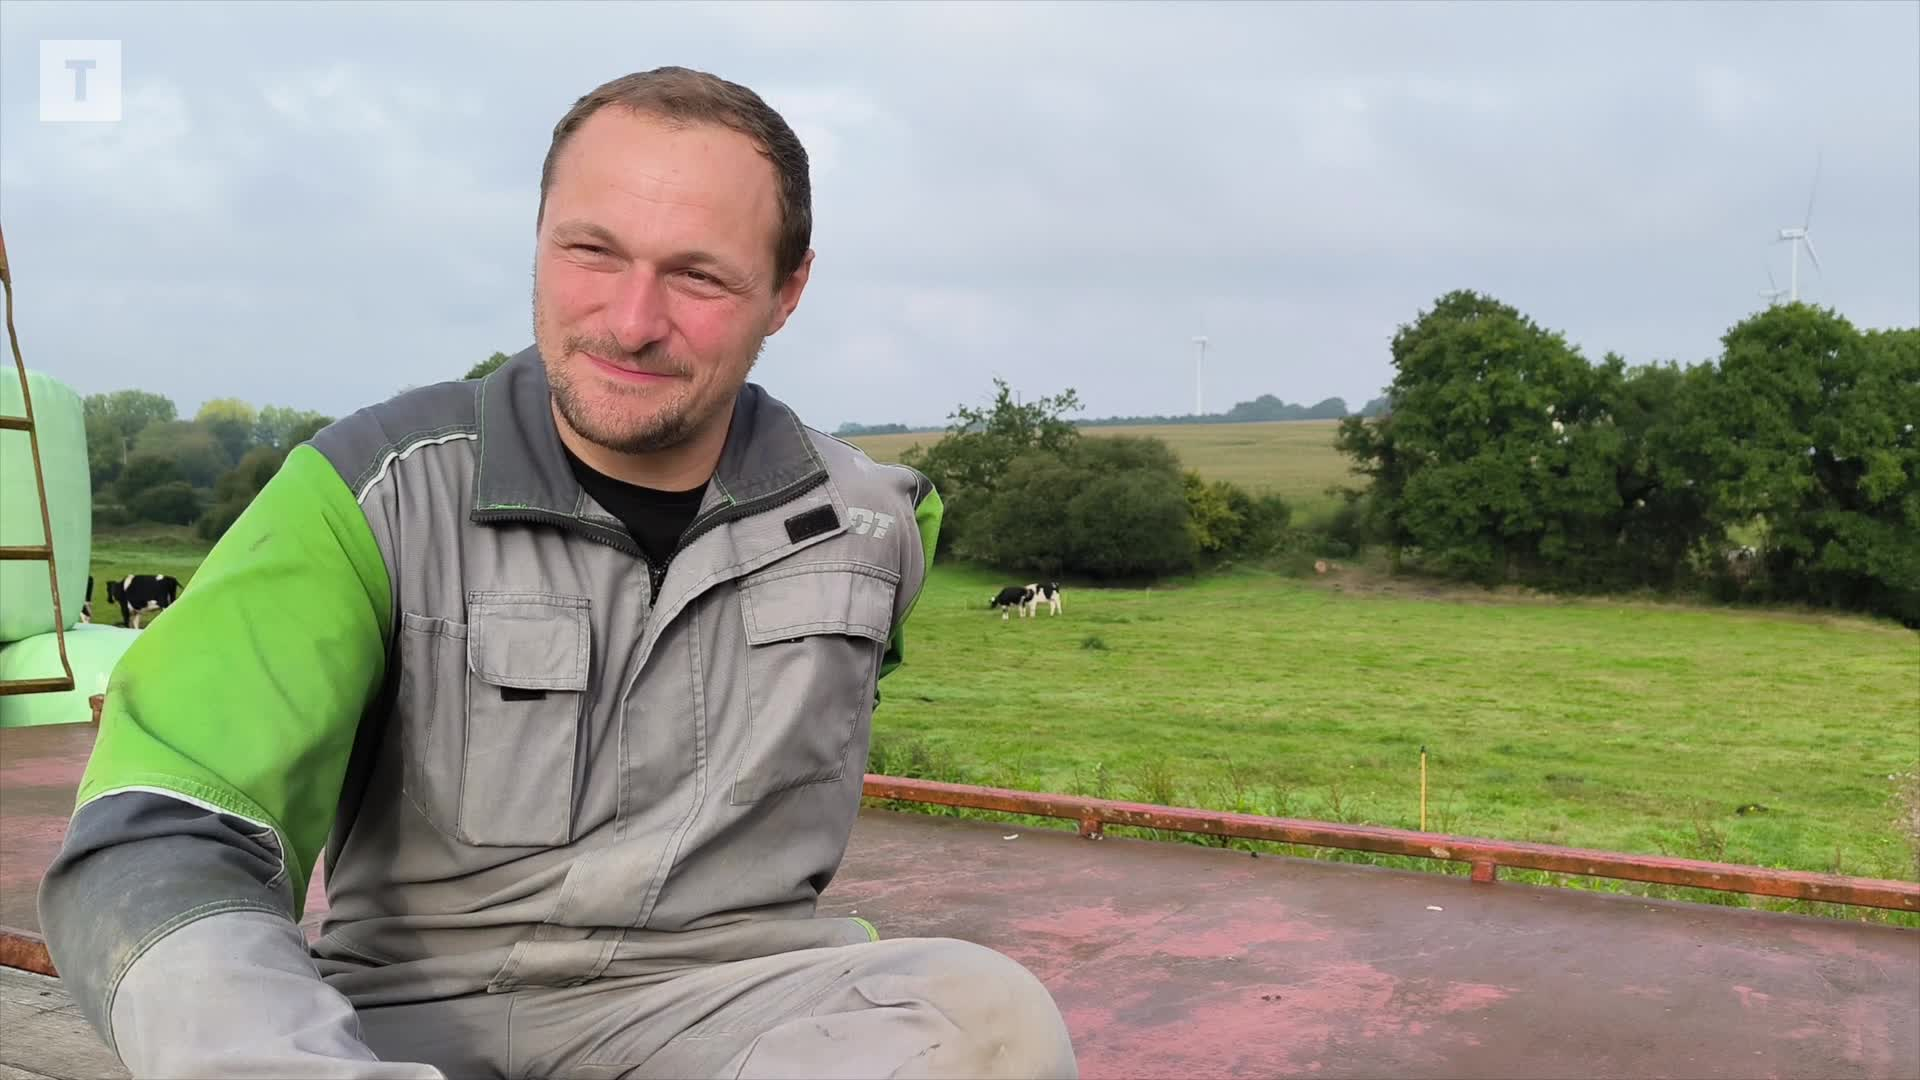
<point>624,372</point>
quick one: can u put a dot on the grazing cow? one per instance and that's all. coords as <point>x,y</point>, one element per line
<point>1013,596</point>
<point>1048,592</point>
<point>142,596</point>
<point>86,605</point>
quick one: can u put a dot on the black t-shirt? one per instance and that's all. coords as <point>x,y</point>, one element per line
<point>654,518</point>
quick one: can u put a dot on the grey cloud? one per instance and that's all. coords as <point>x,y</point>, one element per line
<point>317,204</point>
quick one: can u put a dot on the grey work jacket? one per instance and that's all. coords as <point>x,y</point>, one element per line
<point>573,768</point>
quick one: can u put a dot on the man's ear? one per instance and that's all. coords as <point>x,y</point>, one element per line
<point>789,296</point>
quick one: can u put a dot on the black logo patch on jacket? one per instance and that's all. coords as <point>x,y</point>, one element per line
<point>812,523</point>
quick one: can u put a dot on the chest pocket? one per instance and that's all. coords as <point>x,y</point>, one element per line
<point>815,635</point>
<point>494,708</point>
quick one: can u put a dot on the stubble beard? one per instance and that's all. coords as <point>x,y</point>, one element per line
<point>609,423</point>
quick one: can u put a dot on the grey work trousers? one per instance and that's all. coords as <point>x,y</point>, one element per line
<point>914,1007</point>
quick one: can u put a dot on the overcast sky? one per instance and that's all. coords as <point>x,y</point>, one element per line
<point>318,205</point>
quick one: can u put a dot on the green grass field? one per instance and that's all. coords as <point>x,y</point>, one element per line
<point>1294,459</point>
<point>1763,738</point>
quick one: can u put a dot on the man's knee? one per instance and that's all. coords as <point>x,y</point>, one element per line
<point>1010,1023</point>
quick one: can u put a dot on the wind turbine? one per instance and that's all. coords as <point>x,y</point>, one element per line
<point>1803,234</point>
<point>1201,341</point>
<point>1772,294</point>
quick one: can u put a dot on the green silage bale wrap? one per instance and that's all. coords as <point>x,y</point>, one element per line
<point>92,649</point>
<point>26,603</point>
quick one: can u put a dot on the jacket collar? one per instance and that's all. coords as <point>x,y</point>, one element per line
<point>523,465</point>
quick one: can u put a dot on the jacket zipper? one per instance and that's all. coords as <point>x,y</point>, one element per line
<point>736,511</point>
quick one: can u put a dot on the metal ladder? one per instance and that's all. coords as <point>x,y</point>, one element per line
<point>42,552</point>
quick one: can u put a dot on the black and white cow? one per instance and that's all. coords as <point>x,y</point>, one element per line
<point>142,596</point>
<point>1038,592</point>
<point>1011,597</point>
<point>86,603</point>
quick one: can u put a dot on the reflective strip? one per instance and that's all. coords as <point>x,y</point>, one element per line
<point>403,453</point>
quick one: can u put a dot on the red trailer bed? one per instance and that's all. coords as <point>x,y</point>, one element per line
<point>1175,960</point>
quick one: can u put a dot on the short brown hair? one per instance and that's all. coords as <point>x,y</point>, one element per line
<point>685,96</point>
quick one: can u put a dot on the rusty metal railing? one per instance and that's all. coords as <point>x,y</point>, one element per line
<point>28,951</point>
<point>1485,857</point>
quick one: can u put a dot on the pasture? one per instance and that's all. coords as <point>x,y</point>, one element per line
<point>1759,738</point>
<point>1291,458</point>
<point>1773,739</point>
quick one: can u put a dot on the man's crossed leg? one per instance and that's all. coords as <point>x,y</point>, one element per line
<point>915,1007</point>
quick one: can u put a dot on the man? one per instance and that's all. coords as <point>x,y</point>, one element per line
<point>570,669</point>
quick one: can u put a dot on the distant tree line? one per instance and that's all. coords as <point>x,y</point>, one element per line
<point>148,465</point>
<point>851,430</point>
<point>1262,409</point>
<point>1787,469</point>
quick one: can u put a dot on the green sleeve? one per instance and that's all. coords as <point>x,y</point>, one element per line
<point>246,693</point>
<point>927,515</point>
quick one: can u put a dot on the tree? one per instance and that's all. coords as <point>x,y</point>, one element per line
<point>113,421</point>
<point>1808,429</point>
<point>1484,465</point>
<point>232,423</point>
<point>143,473</point>
<point>980,442</point>
<point>1664,521</point>
<point>198,456</point>
<point>967,463</point>
<point>485,367</point>
<point>284,428</point>
<point>106,453</point>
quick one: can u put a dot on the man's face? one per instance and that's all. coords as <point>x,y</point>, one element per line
<point>653,279</point>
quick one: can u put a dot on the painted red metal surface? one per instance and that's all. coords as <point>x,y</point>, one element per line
<point>1172,960</point>
<point>1484,855</point>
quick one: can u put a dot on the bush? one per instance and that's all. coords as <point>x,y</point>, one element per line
<point>1130,525</point>
<point>171,503</point>
<point>1106,508</point>
<point>1267,521</point>
<point>1217,514</point>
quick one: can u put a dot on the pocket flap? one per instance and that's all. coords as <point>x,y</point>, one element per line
<point>819,598</point>
<point>536,641</point>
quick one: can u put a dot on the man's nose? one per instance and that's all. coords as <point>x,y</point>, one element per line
<point>637,315</point>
